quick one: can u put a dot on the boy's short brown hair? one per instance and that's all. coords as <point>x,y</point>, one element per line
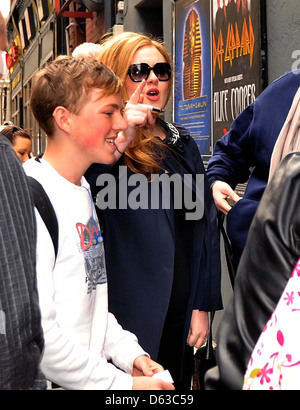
<point>67,82</point>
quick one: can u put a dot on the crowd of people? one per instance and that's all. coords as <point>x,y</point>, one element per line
<point>128,293</point>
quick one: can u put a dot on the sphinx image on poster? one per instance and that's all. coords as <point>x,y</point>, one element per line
<point>236,60</point>
<point>192,93</point>
<point>192,65</point>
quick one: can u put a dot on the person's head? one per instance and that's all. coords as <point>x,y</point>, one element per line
<point>133,57</point>
<point>125,52</point>
<point>20,140</point>
<point>88,50</point>
<point>3,34</point>
<point>81,99</point>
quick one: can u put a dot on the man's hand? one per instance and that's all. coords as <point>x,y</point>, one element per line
<point>144,366</point>
<point>143,370</point>
<point>221,192</point>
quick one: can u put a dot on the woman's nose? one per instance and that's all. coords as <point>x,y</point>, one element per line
<point>152,77</point>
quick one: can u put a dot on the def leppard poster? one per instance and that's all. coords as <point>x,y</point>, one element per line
<point>236,60</point>
<point>220,64</point>
<point>192,91</point>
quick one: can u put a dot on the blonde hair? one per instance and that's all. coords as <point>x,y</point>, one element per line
<point>88,50</point>
<point>67,82</point>
<point>145,153</point>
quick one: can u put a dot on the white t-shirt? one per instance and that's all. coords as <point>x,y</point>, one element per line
<point>80,335</point>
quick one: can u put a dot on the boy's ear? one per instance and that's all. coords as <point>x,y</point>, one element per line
<point>61,117</point>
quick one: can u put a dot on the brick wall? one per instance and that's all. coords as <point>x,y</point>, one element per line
<point>95,28</point>
<point>85,30</point>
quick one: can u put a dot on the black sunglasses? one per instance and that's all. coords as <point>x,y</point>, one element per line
<point>140,72</point>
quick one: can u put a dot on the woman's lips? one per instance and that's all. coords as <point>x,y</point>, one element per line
<point>153,94</point>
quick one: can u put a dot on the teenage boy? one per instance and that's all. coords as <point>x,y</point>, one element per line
<point>78,103</point>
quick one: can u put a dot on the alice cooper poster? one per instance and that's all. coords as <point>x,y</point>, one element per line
<point>236,59</point>
<point>192,90</point>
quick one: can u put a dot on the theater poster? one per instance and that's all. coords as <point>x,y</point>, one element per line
<point>236,59</point>
<point>192,90</point>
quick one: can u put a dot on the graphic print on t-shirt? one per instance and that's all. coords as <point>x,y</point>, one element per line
<point>91,245</point>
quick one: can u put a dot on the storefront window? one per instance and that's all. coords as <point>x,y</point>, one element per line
<point>16,105</point>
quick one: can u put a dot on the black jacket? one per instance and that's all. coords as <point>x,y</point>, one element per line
<point>21,337</point>
<point>271,253</point>
<point>140,247</point>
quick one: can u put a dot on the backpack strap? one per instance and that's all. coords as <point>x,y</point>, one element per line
<point>44,206</point>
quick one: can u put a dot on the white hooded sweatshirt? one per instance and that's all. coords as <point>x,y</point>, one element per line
<point>81,337</point>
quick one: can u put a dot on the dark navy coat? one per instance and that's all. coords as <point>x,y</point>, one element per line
<point>249,144</point>
<point>140,248</point>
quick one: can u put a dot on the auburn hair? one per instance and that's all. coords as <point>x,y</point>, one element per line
<point>145,153</point>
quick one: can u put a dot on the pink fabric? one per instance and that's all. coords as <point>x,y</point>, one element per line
<point>275,361</point>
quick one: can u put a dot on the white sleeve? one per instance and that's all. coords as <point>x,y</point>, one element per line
<point>64,362</point>
<point>121,345</point>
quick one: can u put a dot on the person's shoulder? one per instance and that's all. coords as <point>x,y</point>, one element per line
<point>288,81</point>
<point>186,144</point>
<point>178,137</point>
<point>289,76</point>
<point>39,170</point>
<point>183,132</point>
<point>178,133</point>
<point>185,136</point>
<point>5,143</point>
<point>3,139</point>
<point>279,93</point>
<point>30,166</point>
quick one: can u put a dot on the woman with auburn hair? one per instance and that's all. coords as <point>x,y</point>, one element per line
<point>163,263</point>
<point>143,154</point>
